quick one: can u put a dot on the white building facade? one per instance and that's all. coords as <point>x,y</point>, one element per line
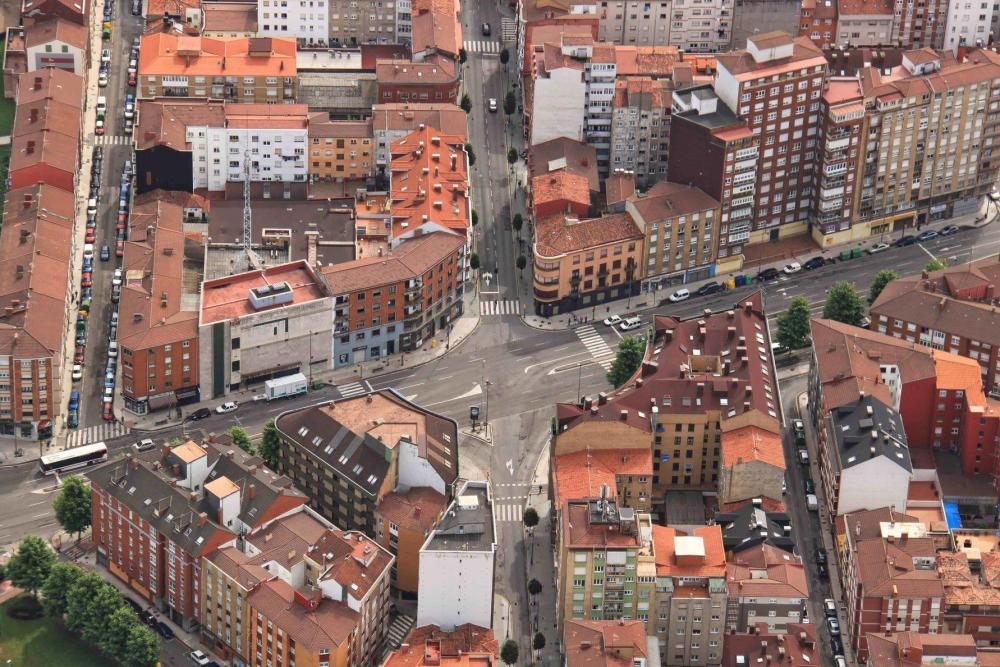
<point>219,155</point>
<point>969,23</point>
<point>305,20</point>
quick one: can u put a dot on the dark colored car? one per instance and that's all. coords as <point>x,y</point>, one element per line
<point>905,241</point>
<point>81,337</point>
<point>105,253</point>
<point>132,603</point>
<point>823,571</point>
<point>165,630</point>
<point>708,288</point>
<point>74,400</point>
<point>820,555</point>
<point>809,486</point>
<point>98,152</point>
<point>836,645</point>
<point>813,263</point>
<point>768,274</point>
<point>199,414</point>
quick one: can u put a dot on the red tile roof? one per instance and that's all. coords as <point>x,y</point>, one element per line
<point>751,443</point>
<point>561,185</point>
<point>164,53</point>
<point>900,649</point>
<point>50,83</point>
<point>604,643</point>
<point>55,30</point>
<point>436,26</point>
<point>466,646</point>
<point>711,564</point>
<point>328,626</point>
<point>417,509</point>
<point>429,181</point>
<point>409,260</point>
<point>449,118</point>
<point>580,475</point>
<point>796,647</point>
<point>561,234</point>
<point>865,7</point>
<point>742,65</point>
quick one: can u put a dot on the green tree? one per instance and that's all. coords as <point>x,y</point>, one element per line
<point>935,265</point>
<point>270,443</point>
<point>522,262</point>
<point>793,325</point>
<point>474,261</point>
<point>142,648</point>
<point>844,304</point>
<point>538,642</point>
<point>534,587</point>
<point>504,57</point>
<point>78,600</point>
<point>119,625</point>
<point>72,505</point>
<point>462,56</point>
<point>626,363</point>
<point>3,572</point>
<point>106,601</point>
<point>510,652</point>
<point>471,154</point>
<point>511,155</point>
<point>56,588</point>
<point>31,564</point>
<point>466,104</point>
<point>530,517</point>
<point>509,103</point>
<point>241,439</point>
<point>517,222</point>
<point>475,218</point>
<point>881,279</point>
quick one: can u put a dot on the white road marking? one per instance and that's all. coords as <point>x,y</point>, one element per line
<point>929,253</point>
<point>552,361</point>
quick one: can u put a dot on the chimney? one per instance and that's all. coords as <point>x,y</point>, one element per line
<point>252,491</point>
<point>873,452</point>
<point>623,415</point>
<point>602,398</point>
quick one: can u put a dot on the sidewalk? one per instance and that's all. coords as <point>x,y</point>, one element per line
<point>539,565</point>
<point>651,300</point>
<point>433,349</point>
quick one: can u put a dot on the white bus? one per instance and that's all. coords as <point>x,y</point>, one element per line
<point>77,457</point>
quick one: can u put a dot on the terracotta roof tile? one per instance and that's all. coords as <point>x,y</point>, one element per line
<point>429,181</point>
<point>158,55</point>
<point>667,200</point>
<point>50,83</point>
<point>55,29</point>
<point>713,564</point>
<point>886,568</point>
<point>329,626</point>
<point>417,509</point>
<point>752,444</point>
<point>559,234</point>
<point>409,260</point>
<point>564,153</point>
<point>436,26</point>
<point>229,17</point>
<point>580,475</point>
<point>426,72</point>
<point>561,185</point>
<point>604,643</point>
<point>466,646</point>
<point>743,66</point>
<point>164,122</point>
<point>864,7</point>
<point>449,118</point>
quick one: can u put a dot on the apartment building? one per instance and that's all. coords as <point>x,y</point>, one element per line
<point>601,545</point>
<point>429,182</point>
<point>694,27</point>
<point>429,646</point>
<point>403,522</point>
<point>267,142</point>
<point>351,25</point>
<point>261,70</point>
<point>393,121</point>
<point>937,394</point>
<point>691,595</point>
<point>392,303</point>
<point>971,591</point>
<point>969,24</point>
<point>901,649</point>
<point>155,519</point>
<point>767,586</point>
<point>861,22</point>
<point>262,324</point>
<point>794,648</point>
<point>40,10</point>
<point>585,262</point>
<point>340,150</point>
<point>306,21</point>
<point>775,86</point>
<point>458,563</point>
<point>605,644</point>
<point>57,43</point>
<point>350,455</point>
<point>229,20</point>
<point>950,310</point>
<point>818,22</point>
<point>681,226</point>
<point>753,459</point>
<point>435,29</point>
<point>929,129</point>
<point>708,143</point>
<point>434,80</point>
<point>164,152</point>
<point>627,474</point>
<point>640,128</point>
<point>920,26</point>
<point>158,323</point>
<point>676,405</point>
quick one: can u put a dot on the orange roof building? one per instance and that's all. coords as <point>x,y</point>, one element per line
<point>753,462</point>
<point>428,646</point>
<point>627,475</point>
<point>429,182</point>
<point>605,643</point>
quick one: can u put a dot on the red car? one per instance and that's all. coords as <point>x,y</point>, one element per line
<point>120,227</point>
<point>78,356</point>
<point>109,412</point>
<point>90,236</point>
<point>121,220</point>
<point>87,280</point>
<point>131,78</point>
<point>120,248</point>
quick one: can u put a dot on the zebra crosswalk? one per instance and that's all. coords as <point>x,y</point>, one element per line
<point>508,30</point>
<point>112,140</point>
<point>500,307</point>
<point>85,436</point>
<point>483,46</point>
<point>398,629</point>
<point>353,389</point>
<point>508,512</point>
<point>600,350</point>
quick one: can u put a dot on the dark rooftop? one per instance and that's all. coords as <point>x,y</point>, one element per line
<point>865,429</point>
<point>723,116</point>
<point>751,526</point>
<point>467,524</point>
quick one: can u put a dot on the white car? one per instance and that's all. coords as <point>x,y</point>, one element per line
<point>612,321</point>
<point>493,104</point>
<point>113,349</point>
<point>630,323</point>
<point>199,658</point>
<point>102,105</point>
<point>102,79</point>
<point>228,406</point>
<point>77,372</point>
<point>106,55</point>
<point>88,250</point>
<point>117,278</point>
<point>793,267</point>
<point>680,295</point>
<point>878,247</point>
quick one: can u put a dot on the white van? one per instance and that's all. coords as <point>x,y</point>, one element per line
<point>812,502</point>
<point>113,349</point>
<point>630,323</point>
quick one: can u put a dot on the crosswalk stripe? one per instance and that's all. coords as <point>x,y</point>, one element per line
<point>500,307</point>
<point>111,140</point>
<point>595,344</point>
<point>352,389</point>
<point>482,46</point>
<point>97,433</point>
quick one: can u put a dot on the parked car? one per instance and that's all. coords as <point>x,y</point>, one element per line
<point>79,354</point>
<point>108,412</point>
<point>680,295</point>
<point>116,279</point>
<point>129,126</point>
<point>74,400</point>
<point>709,288</point>
<point>798,426</point>
<point>950,229</point>
<point>105,55</point>
<point>87,279</point>
<point>814,263</point>
<point>132,603</point>
<point>829,608</point>
<point>803,457</point>
<point>144,445</point>
<point>102,79</point>
<point>792,267</point>
<point>120,248</point>
<point>927,235</point>
<point>630,323</point>
<point>165,631</point>
<point>492,104</point>
<point>878,247</point>
<point>837,648</point>
<point>823,571</point>
<point>200,414</point>
<point>228,406</point>
<point>131,78</point>
<point>612,320</point>
<point>102,105</point>
<point>819,555</point>
<point>148,618</point>
<point>90,236</point>
<point>72,418</point>
<point>116,293</point>
<point>199,658</point>
<point>809,486</point>
<point>904,241</point>
<point>768,274</point>
<point>834,626</point>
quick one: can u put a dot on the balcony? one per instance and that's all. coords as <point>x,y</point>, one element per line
<point>412,310</point>
<point>829,193</point>
<point>838,168</point>
<point>837,144</point>
<point>414,285</point>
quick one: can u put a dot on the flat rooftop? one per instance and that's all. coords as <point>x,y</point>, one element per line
<point>348,60</point>
<point>467,524</point>
<point>228,298</point>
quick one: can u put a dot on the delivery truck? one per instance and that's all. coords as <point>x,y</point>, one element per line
<point>285,387</point>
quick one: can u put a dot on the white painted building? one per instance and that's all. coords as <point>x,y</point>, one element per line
<point>968,23</point>
<point>457,563</point>
<point>404,21</point>
<point>274,138</point>
<point>305,20</point>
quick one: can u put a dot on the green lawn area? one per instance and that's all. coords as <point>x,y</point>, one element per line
<point>6,110</point>
<point>42,643</point>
